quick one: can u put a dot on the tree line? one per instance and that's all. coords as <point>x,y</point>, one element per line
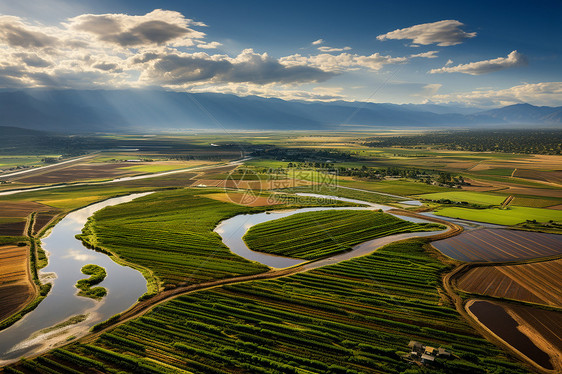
<point>509,141</point>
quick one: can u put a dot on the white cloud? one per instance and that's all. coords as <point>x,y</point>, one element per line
<point>177,69</point>
<point>32,60</point>
<point>449,62</point>
<point>428,54</point>
<point>331,49</point>
<point>159,27</point>
<point>443,33</point>
<point>271,90</point>
<point>544,93</point>
<point>78,256</point>
<point>430,89</point>
<point>343,61</point>
<point>211,45</point>
<point>15,33</point>
<point>318,42</point>
<point>487,66</point>
<point>118,50</point>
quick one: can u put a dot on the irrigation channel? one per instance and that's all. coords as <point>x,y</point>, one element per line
<point>39,330</point>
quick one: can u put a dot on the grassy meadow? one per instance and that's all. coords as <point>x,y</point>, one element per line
<point>477,198</point>
<point>510,216</point>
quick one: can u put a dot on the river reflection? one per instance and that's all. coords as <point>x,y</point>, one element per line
<point>67,255</point>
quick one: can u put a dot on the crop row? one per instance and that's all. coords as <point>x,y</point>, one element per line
<point>318,234</point>
<point>294,325</point>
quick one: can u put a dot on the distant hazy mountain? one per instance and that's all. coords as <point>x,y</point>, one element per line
<point>76,111</point>
<point>525,113</point>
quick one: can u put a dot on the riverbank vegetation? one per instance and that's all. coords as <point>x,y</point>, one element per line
<point>320,234</point>
<point>97,275</point>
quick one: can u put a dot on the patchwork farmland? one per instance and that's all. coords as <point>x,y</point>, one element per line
<point>535,283</point>
<point>499,245</point>
<point>354,317</point>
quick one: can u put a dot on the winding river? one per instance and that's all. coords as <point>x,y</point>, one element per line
<point>233,230</point>
<point>67,255</point>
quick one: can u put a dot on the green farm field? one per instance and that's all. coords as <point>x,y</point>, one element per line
<point>478,198</point>
<point>325,233</point>
<point>354,317</point>
<point>363,195</point>
<point>11,161</point>
<point>402,187</point>
<point>510,216</point>
<point>171,234</point>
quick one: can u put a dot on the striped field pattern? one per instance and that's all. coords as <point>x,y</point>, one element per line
<point>500,245</point>
<point>537,283</point>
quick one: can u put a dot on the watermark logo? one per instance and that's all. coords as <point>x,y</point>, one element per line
<point>245,186</point>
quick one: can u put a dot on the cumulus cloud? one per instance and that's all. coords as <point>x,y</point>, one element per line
<point>449,62</point>
<point>443,33</point>
<point>317,93</point>
<point>487,66</point>
<point>119,50</point>
<point>32,59</point>
<point>544,93</point>
<point>159,27</point>
<point>331,49</point>
<point>430,89</point>
<point>428,54</point>
<point>211,45</point>
<point>343,61</point>
<point>14,33</point>
<point>106,66</point>
<point>318,42</point>
<point>178,69</point>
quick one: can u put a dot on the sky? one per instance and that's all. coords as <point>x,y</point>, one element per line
<point>472,53</point>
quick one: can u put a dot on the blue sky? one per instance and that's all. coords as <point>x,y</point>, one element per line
<point>477,53</point>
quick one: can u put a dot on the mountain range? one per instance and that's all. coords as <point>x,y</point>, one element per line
<point>84,111</point>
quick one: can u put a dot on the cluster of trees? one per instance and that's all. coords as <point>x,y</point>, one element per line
<point>379,173</point>
<point>442,178</point>
<point>297,155</point>
<point>310,165</point>
<point>509,141</point>
<point>450,180</point>
<point>50,160</point>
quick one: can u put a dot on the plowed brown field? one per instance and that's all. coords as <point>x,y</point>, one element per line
<point>43,218</point>
<point>537,283</point>
<point>14,228</point>
<point>15,287</point>
<point>500,245</point>
<point>546,176</point>
<point>13,216</point>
